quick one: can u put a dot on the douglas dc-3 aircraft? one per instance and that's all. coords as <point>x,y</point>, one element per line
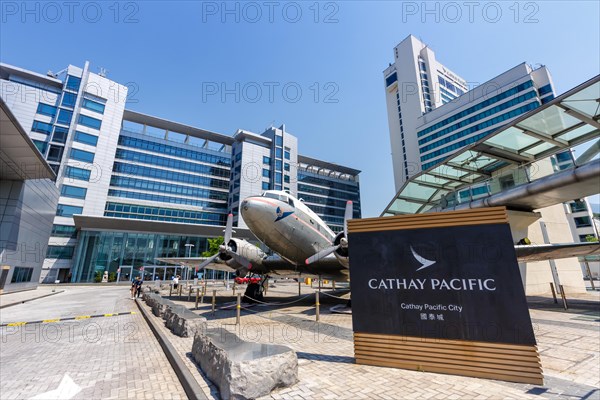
<point>304,244</point>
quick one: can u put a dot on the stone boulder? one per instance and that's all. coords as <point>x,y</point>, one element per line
<point>243,370</point>
<point>183,322</point>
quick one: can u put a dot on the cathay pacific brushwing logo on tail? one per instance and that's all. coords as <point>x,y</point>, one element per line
<point>423,261</point>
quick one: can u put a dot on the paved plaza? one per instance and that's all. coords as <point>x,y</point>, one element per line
<point>569,344</point>
<point>118,357</point>
<point>114,357</point>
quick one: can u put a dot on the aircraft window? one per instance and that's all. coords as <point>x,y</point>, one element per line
<point>272,195</point>
<point>291,202</point>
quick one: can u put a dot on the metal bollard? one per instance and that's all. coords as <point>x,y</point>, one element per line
<point>564,297</point>
<point>189,293</point>
<point>317,305</point>
<point>214,301</point>
<point>234,288</point>
<point>197,295</point>
<point>238,308</point>
<point>170,290</point>
<point>180,289</point>
<point>589,273</point>
<point>553,293</point>
<point>299,288</point>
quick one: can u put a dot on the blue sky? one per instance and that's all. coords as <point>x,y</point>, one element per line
<point>178,56</point>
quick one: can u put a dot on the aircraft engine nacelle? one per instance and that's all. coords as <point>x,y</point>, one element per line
<point>342,252</point>
<point>247,250</point>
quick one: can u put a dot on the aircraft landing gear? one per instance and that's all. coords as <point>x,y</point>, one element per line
<point>255,291</point>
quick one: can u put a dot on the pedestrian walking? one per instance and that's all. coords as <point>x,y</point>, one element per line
<point>136,287</point>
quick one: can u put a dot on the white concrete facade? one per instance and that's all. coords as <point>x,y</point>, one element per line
<point>432,112</point>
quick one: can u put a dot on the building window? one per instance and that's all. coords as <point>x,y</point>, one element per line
<point>586,238</point>
<point>64,210</point>
<point>64,231</point>
<point>64,117</point>
<point>86,138</point>
<point>565,156</point>
<point>55,153</point>
<point>581,222</point>
<point>266,160</point>
<point>286,154</point>
<point>391,79</point>
<point>93,106</point>
<point>73,83</point>
<point>21,274</point>
<point>278,165</point>
<point>278,140</point>
<point>41,127</point>
<point>60,134</point>
<point>78,173</point>
<point>73,191</point>
<point>41,146</point>
<point>545,89</point>
<point>46,109</point>
<point>286,167</point>
<point>278,177</point>
<point>286,178</point>
<point>60,252</point>
<point>278,152</point>
<point>81,155</point>
<point>89,122</point>
<point>578,206</point>
<point>68,100</point>
<point>265,186</point>
<point>266,173</point>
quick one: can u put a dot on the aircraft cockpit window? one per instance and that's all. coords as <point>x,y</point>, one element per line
<point>280,197</point>
<point>291,202</point>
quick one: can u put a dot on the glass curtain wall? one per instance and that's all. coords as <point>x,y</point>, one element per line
<point>125,255</point>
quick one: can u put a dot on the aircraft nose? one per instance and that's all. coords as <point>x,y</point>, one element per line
<point>252,210</point>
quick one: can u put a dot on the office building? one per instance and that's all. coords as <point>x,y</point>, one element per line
<point>134,187</point>
<point>270,161</point>
<point>432,112</point>
<point>28,199</point>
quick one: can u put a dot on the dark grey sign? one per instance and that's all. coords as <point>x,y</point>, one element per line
<point>446,283</point>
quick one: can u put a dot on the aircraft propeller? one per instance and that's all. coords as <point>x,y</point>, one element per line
<point>226,249</point>
<point>343,241</point>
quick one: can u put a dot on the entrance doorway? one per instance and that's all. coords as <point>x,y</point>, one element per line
<point>124,274</point>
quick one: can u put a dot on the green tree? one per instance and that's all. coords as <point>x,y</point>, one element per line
<point>591,238</point>
<point>213,246</point>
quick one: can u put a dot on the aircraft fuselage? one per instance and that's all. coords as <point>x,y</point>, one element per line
<point>286,225</point>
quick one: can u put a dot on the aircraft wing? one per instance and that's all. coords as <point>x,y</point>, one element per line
<point>542,252</point>
<point>326,267</point>
<point>194,262</point>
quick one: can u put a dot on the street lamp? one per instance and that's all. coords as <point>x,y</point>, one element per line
<point>189,251</point>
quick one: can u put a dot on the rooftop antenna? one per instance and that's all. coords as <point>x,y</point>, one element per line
<point>103,72</point>
<point>55,75</point>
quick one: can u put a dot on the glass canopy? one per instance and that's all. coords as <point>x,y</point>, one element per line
<point>568,120</point>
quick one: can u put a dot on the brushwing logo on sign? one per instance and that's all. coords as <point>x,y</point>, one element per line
<point>447,283</point>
